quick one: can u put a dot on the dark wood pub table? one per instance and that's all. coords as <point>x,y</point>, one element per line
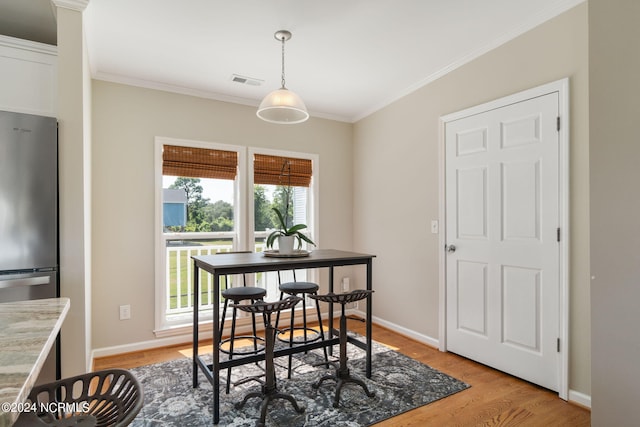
<point>256,262</point>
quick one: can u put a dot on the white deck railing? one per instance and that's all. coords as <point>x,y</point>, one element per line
<point>179,275</point>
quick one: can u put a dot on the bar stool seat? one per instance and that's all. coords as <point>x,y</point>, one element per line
<point>244,293</point>
<point>299,287</point>
<point>296,288</point>
<point>342,375</point>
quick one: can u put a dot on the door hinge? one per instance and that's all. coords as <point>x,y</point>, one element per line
<point>558,234</point>
<point>558,345</point>
<point>558,123</point>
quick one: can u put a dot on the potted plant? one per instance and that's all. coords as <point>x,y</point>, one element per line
<point>285,234</point>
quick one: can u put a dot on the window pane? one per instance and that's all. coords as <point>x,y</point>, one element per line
<point>267,197</point>
<point>188,205</point>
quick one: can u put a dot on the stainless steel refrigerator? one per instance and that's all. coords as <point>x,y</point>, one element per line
<point>29,213</point>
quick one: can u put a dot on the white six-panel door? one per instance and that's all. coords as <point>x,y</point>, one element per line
<point>502,221</point>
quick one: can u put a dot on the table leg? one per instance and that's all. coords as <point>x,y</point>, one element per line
<point>196,294</point>
<point>369,310</point>
<point>216,348</point>
<point>330,308</point>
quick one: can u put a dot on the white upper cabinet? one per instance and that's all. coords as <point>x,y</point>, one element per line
<point>29,77</point>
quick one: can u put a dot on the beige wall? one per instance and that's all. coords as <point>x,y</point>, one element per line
<point>614,91</point>
<point>125,121</point>
<point>393,210</point>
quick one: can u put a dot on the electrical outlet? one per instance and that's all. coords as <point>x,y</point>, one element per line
<point>125,312</point>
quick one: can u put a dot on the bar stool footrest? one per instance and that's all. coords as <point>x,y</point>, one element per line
<point>243,352</point>
<point>300,340</point>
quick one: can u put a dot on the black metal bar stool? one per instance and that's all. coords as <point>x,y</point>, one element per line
<point>296,288</point>
<point>342,375</point>
<point>238,295</point>
<point>269,390</point>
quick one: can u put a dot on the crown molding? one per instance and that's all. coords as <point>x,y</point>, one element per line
<point>78,5</point>
<point>16,43</point>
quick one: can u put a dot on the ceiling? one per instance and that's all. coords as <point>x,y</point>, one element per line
<point>346,59</point>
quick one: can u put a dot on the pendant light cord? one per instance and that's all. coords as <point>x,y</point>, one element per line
<point>283,87</point>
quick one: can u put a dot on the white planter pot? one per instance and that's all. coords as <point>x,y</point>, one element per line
<point>285,244</point>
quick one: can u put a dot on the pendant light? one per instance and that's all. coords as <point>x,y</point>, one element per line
<point>282,106</point>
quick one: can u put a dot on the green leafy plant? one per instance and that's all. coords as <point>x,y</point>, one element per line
<point>294,230</point>
<point>283,219</point>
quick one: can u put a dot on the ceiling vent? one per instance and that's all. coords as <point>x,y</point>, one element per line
<point>246,80</point>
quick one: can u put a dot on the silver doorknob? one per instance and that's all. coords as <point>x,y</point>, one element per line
<point>450,248</point>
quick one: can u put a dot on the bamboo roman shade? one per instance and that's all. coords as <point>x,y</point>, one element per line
<point>199,162</point>
<point>275,170</point>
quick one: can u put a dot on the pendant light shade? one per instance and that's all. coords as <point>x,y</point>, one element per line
<point>282,106</point>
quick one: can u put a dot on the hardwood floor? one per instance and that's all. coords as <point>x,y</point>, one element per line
<point>494,399</point>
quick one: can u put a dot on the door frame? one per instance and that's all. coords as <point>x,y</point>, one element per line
<point>562,87</point>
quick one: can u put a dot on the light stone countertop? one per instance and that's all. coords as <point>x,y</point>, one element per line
<point>28,330</point>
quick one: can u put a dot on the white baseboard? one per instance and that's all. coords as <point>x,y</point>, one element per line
<point>580,398</point>
<point>139,346</point>
<point>424,339</point>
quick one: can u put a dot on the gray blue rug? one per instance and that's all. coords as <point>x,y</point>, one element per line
<point>399,383</point>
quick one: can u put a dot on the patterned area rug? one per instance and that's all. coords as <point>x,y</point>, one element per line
<point>399,383</point>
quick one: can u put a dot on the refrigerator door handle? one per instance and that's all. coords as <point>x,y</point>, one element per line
<point>30,281</point>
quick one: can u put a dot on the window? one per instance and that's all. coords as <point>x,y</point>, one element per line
<point>216,197</point>
<point>196,214</point>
